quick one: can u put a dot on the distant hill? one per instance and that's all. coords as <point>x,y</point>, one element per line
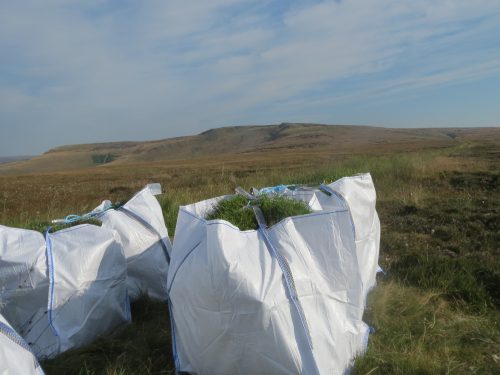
<point>249,140</point>
<point>10,159</point>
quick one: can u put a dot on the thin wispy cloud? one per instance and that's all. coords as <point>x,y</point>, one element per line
<point>97,70</point>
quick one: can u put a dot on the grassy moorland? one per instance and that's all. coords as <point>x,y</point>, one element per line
<point>257,142</point>
<point>436,311</point>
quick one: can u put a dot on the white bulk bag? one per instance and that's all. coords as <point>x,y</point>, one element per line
<point>286,300</point>
<point>24,282</point>
<point>358,193</point>
<point>15,354</point>
<point>146,244</point>
<point>65,290</point>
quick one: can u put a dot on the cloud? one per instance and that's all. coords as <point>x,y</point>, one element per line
<point>85,71</point>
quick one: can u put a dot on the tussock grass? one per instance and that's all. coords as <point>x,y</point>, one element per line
<point>417,332</point>
<point>466,282</point>
<point>276,208</point>
<point>237,210</point>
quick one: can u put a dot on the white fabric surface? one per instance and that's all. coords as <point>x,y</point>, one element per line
<point>146,247</point>
<point>231,309</point>
<point>15,359</point>
<point>66,294</point>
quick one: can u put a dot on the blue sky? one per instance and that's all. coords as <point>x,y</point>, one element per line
<point>96,70</point>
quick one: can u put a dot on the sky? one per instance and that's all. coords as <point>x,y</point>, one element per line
<point>84,71</point>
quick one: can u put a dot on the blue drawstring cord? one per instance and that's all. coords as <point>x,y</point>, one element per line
<point>278,189</point>
<point>73,218</point>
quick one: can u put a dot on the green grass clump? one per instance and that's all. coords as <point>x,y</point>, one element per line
<point>237,210</point>
<point>276,208</point>
<point>42,226</point>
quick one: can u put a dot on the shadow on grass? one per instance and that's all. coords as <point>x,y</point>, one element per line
<point>142,347</point>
